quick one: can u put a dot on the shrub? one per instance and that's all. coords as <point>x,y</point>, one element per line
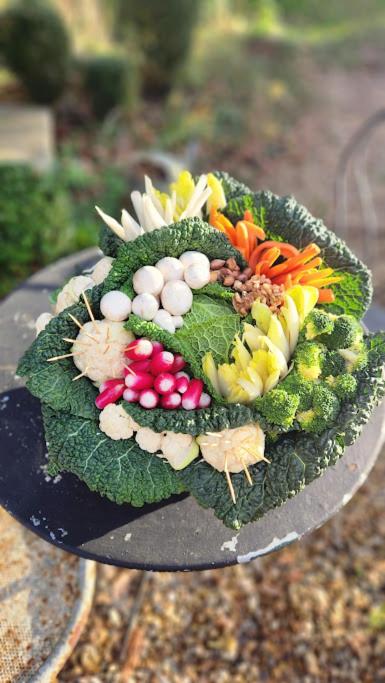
<point>34,222</point>
<point>35,46</point>
<point>109,81</point>
<point>164,35</point>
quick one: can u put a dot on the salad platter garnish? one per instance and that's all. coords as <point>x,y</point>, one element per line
<point>216,348</point>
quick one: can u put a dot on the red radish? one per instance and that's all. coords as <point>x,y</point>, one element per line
<point>157,347</point>
<point>191,397</point>
<point>137,366</point>
<point>165,383</point>
<point>171,401</point>
<point>131,396</point>
<point>139,381</point>
<point>182,382</point>
<point>162,362</point>
<point>109,395</point>
<point>110,383</point>
<point>139,349</point>
<point>182,374</point>
<point>179,363</point>
<point>204,401</point>
<point>148,399</point>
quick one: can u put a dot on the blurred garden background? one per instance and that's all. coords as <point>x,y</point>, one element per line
<point>93,93</point>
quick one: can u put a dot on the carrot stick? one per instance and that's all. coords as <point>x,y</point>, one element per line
<point>271,256</point>
<point>326,296</point>
<point>324,282</point>
<point>248,216</point>
<point>317,274</point>
<point>259,232</point>
<point>242,238</point>
<point>305,255</point>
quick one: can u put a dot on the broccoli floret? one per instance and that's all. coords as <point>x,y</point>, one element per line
<point>308,359</point>
<point>324,410</point>
<point>317,322</point>
<point>295,384</point>
<point>346,332</point>
<point>278,407</point>
<point>344,386</point>
<point>355,357</point>
<point>333,364</point>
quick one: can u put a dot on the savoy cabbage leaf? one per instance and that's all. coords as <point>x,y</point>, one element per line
<point>296,458</point>
<point>119,470</point>
<point>53,382</point>
<point>292,222</point>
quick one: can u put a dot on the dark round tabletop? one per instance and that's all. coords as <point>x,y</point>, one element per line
<point>174,535</point>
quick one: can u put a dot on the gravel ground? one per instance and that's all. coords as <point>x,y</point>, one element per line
<point>312,613</point>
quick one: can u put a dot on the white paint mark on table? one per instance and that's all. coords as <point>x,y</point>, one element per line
<point>35,520</point>
<point>127,537</point>
<point>275,544</point>
<point>230,545</point>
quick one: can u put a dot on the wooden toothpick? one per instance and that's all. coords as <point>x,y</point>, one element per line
<point>229,482</point>
<point>65,355</point>
<point>88,307</point>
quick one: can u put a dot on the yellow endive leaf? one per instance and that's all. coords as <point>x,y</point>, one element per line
<point>289,320</point>
<point>240,354</point>
<point>281,360</point>
<point>251,335</point>
<point>217,199</point>
<point>261,314</point>
<point>305,298</point>
<point>210,370</point>
<point>271,381</point>
<point>278,337</point>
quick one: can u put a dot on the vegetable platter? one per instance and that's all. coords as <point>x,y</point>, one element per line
<point>215,349</point>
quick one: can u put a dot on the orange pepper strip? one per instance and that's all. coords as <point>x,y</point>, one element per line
<point>326,296</point>
<point>242,238</point>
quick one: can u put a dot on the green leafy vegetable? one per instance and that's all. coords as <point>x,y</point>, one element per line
<point>119,470</point>
<point>52,382</point>
<point>285,217</point>
<point>296,459</point>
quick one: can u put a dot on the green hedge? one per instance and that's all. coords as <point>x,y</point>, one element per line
<point>34,44</point>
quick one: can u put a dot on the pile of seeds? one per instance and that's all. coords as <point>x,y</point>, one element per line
<point>248,287</point>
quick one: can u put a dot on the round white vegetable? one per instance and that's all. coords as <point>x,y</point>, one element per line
<point>70,294</point>
<point>188,258</point>
<point>99,350</point>
<point>115,306</point>
<point>145,306</point>
<point>116,423</point>
<point>178,321</point>
<point>101,269</point>
<point>197,276</point>
<point>42,322</point>
<point>148,280</point>
<point>176,297</point>
<point>165,321</point>
<point>171,268</point>
<point>148,440</point>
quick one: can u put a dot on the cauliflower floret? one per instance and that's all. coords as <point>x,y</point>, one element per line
<point>116,423</point>
<point>42,322</point>
<point>233,447</point>
<point>179,449</point>
<point>71,292</point>
<point>148,440</point>
<point>101,269</point>
<point>99,349</point>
